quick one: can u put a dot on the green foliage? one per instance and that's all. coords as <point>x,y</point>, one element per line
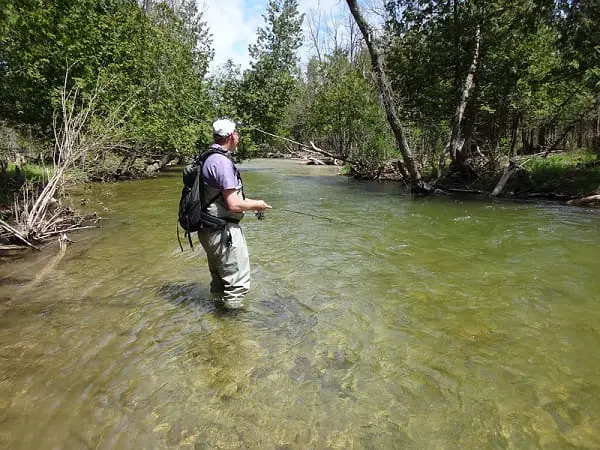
<point>270,85</point>
<point>226,90</point>
<point>30,172</point>
<point>537,75</point>
<point>580,40</point>
<point>530,73</point>
<point>13,177</point>
<point>572,174</point>
<point>150,63</point>
<point>345,116</point>
<point>346,170</point>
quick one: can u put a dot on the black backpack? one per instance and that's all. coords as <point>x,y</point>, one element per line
<point>193,215</point>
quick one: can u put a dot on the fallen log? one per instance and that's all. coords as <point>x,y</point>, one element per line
<point>510,169</point>
<point>590,200</point>
<point>17,234</point>
<point>315,162</point>
<point>12,250</point>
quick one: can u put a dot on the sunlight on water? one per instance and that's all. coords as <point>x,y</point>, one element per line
<point>397,322</point>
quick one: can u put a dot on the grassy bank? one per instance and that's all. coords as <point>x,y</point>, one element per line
<point>13,177</point>
<point>567,175</point>
<point>560,176</point>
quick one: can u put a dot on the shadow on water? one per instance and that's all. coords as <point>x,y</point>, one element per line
<point>284,316</point>
<point>194,296</point>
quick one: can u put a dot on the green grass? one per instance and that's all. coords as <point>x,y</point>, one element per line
<point>14,177</point>
<point>31,172</point>
<point>569,174</point>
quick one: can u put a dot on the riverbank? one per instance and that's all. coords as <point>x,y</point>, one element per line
<point>572,178</point>
<point>566,178</point>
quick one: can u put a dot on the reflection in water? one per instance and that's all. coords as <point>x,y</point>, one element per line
<point>434,323</point>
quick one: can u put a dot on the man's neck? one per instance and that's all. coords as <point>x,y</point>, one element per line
<point>222,147</point>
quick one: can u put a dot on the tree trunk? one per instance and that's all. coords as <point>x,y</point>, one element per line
<point>417,183</point>
<point>456,143</point>
<point>514,132</point>
<point>596,136</point>
<point>570,127</point>
<point>542,138</point>
<point>166,159</point>
<point>510,169</point>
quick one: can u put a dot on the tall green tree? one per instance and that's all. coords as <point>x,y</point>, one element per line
<point>151,62</point>
<point>270,83</point>
<point>580,39</point>
<point>173,98</point>
<point>432,54</point>
<point>43,38</point>
<point>226,90</point>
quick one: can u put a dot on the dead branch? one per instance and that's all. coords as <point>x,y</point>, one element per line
<point>75,228</point>
<point>387,99</point>
<point>314,148</point>
<point>16,234</point>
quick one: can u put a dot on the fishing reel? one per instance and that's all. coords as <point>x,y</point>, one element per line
<point>260,215</point>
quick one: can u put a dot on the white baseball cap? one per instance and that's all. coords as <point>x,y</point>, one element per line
<point>223,127</point>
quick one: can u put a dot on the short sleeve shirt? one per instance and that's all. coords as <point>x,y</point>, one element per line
<point>219,172</point>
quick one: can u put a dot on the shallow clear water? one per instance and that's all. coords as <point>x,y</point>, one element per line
<point>401,323</point>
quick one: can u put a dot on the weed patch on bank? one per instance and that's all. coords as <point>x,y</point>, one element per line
<point>573,174</point>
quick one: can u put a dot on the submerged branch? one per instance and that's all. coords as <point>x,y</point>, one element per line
<point>16,234</point>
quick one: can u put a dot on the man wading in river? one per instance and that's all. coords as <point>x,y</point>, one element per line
<point>225,203</point>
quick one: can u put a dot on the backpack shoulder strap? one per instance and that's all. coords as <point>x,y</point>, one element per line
<point>212,151</point>
<point>201,159</point>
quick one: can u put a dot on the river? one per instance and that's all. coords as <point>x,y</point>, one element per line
<point>397,322</point>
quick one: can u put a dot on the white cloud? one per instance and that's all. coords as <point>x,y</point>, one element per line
<point>233,24</point>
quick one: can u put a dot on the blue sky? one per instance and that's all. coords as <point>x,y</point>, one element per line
<point>233,23</point>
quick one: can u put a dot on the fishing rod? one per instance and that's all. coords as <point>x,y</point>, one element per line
<point>260,215</point>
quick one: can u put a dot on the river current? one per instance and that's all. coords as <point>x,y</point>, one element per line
<point>388,321</point>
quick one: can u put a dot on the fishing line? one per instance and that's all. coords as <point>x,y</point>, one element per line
<point>260,215</point>
<point>279,137</point>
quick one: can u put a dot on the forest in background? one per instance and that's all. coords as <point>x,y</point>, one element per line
<point>485,96</point>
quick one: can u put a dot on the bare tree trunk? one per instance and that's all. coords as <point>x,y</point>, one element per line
<point>417,183</point>
<point>456,143</point>
<point>550,148</point>
<point>510,169</point>
<point>512,166</point>
<point>596,135</point>
<point>314,27</point>
<point>166,159</point>
<point>570,127</point>
<point>514,132</point>
<point>542,138</point>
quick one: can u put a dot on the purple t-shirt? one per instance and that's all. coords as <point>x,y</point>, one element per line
<point>219,173</point>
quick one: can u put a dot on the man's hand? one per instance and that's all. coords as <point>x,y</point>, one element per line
<point>236,204</point>
<point>262,205</point>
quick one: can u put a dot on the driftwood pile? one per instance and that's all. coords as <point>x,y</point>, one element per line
<point>37,215</point>
<point>22,234</point>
